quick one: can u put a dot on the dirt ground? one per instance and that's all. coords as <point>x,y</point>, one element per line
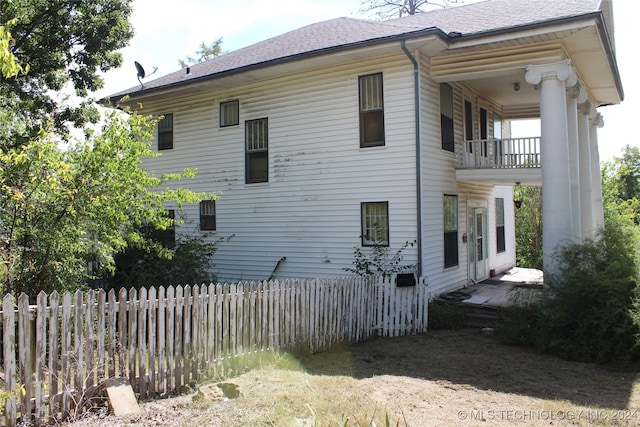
<point>456,378</point>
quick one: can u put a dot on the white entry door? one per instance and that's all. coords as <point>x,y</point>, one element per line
<point>478,254</point>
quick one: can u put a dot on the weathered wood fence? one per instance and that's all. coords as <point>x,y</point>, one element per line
<point>57,352</point>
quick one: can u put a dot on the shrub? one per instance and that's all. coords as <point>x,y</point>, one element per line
<point>446,316</point>
<point>591,308</point>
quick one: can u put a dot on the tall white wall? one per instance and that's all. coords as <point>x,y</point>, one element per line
<point>309,211</point>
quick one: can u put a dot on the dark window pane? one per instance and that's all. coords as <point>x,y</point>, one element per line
<point>258,167</point>
<point>450,249</point>
<point>165,132</point>
<point>372,128</point>
<point>500,239</point>
<point>446,126</point>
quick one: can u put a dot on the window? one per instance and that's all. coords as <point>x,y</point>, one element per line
<point>446,117</point>
<point>229,113</point>
<point>375,223</point>
<point>208,215</point>
<point>165,132</point>
<point>168,236</point>
<point>256,151</point>
<point>468,124</point>
<point>500,239</point>
<point>468,121</point>
<point>371,111</point>
<point>450,231</point>
<point>484,130</point>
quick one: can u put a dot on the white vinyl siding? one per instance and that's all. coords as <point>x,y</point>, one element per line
<point>310,210</point>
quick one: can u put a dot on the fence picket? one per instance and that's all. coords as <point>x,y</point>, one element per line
<point>40,354</point>
<point>54,353</point>
<point>9,357</point>
<point>163,339</point>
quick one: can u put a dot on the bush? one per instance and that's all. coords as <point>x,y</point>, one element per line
<point>591,309</point>
<point>446,316</point>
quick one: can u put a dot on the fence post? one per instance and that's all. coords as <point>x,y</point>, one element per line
<point>9,343</point>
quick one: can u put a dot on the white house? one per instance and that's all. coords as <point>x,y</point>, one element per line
<point>312,137</point>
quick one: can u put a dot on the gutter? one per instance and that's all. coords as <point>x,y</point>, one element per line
<point>416,85</point>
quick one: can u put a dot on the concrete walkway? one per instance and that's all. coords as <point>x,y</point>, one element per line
<point>515,287</point>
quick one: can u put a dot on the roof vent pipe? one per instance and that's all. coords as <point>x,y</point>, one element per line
<point>187,71</point>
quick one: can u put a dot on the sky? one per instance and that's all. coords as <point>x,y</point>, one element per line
<point>165,33</point>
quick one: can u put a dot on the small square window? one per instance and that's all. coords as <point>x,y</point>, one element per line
<point>375,223</point>
<point>165,132</point>
<point>208,215</point>
<point>229,113</point>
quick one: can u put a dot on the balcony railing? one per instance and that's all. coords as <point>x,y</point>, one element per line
<point>504,153</point>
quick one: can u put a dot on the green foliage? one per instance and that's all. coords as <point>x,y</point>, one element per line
<point>445,316</point>
<point>66,44</point>
<point>63,208</point>
<point>204,53</point>
<point>189,262</point>
<point>528,226</point>
<point>621,186</point>
<point>379,261</point>
<point>591,309</point>
<point>9,65</point>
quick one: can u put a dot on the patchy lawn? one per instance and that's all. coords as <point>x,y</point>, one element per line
<point>457,378</point>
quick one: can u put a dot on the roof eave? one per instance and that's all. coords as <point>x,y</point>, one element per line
<point>426,32</point>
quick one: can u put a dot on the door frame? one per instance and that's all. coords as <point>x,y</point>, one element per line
<point>478,267</point>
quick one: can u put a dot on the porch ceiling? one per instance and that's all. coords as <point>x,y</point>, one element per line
<point>494,65</point>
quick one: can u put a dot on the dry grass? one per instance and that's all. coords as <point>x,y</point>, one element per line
<point>437,379</point>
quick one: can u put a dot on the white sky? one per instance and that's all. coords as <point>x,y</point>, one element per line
<point>165,32</point>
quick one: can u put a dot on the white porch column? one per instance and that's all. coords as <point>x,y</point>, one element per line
<point>556,182</point>
<point>573,93</point>
<point>596,177</point>
<point>586,182</point>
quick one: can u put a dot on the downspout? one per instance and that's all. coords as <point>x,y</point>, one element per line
<point>416,84</point>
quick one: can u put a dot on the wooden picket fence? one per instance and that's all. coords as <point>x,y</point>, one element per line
<point>56,353</point>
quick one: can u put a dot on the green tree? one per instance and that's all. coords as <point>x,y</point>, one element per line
<point>63,208</point>
<point>9,64</point>
<point>528,223</point>
<point>387,9</point>
<point>66,44</point>
<point>204,53</point>
<point>621,185</point>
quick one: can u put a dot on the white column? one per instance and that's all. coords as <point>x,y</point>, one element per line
<point>556,188</point>
<point>586,182</point>
<point>574,164</point>
<point>596,177</point>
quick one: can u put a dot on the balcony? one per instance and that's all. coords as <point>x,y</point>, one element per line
<point>499,161</point>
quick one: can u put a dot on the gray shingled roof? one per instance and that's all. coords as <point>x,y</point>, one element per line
<point>469,20</point>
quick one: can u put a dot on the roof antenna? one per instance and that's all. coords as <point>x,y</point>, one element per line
<point>141,73</point>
